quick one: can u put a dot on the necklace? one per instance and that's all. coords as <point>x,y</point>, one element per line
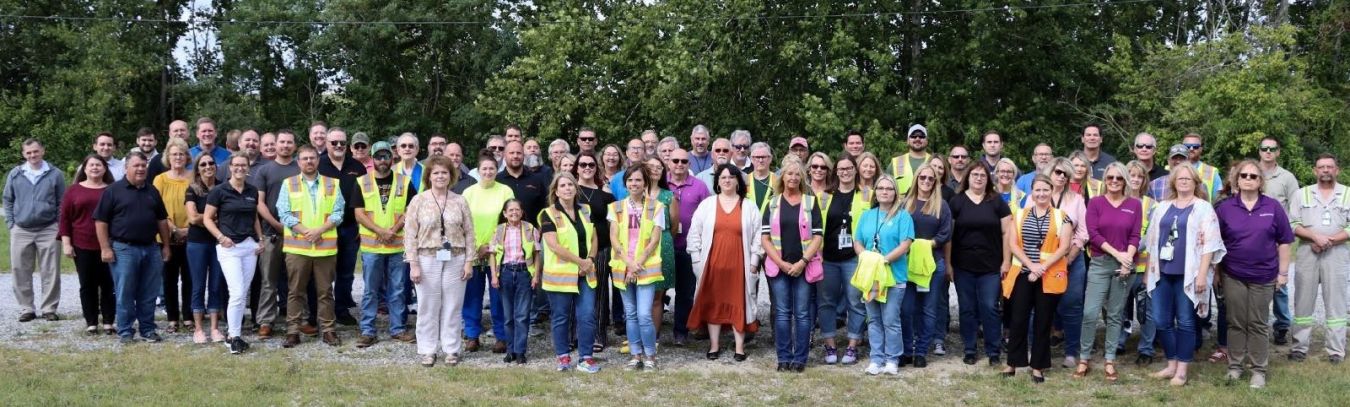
<point>588,196</point>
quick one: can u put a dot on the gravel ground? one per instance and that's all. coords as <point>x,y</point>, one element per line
<point>67,335</point>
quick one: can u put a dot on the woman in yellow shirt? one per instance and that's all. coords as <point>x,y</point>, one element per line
<point>486,199</point>
<point>172,186</point>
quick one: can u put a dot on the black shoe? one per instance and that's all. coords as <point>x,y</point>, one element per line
<point>920,362</point>
<point>1297,356</point>
<point>739,357</point>
<point>715,354</point>
<point>1144,360</point>
<point>993,361</point>
<point>1038,379</point>
<point>1008,374</point>
<point>1056,340</point>
<point>520,359</point>
<point>27,316</point>
<point>346,319</point>
<point>152,338</point>
<point>906,360</point>
<point>236,345</point>
<point>969,360</point>
<point>782,367</point>
<point>1120,350</point>
<point>798,367</point>
<point>50,316</point>
<point>510,358</point>
<point>1282,337</point>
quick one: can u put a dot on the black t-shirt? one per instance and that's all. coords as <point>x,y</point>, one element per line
<point>351,169</point>
<point>530,189</point>
<point>546,225</point>
<point>792,239</point>
<point>598,200</point>
<point>977,235</point>
<point>198,234</point>
<point>132,213</point>
<point>235,210</point>
<point>840,220</point>
<point>386,186</point>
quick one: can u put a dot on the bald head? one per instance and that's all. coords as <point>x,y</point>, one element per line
<point>179,130</point>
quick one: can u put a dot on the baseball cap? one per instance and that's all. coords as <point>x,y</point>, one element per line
<point>796,141</point>
<point>1178,150</point>
<point>381,145</point>
<point>360,138</point>
<point>917,127</point>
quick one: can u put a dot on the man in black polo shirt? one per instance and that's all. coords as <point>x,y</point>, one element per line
<point>345,169</point>
<point>126,219</point>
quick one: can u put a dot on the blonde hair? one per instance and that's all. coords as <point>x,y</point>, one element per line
<point>790,165</point>
<point>172,144</point>
<point>867,155</point>
<point>1017,173</point>
<point>895,205</point>
<point>1136,165</point>
<point>831,181</point>
<point>912,197</point>
<point>1200,191</point>
<point>1233,175</point>
<point>1124,173</point>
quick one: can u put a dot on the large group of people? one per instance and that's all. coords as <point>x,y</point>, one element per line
<point>598,237</point>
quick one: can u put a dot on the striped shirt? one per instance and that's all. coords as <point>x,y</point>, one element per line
<point>1034,230</point>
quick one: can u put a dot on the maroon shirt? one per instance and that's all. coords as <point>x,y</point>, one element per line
<point>1118,225</point>
<point>1252,238</point>
<point>77,214</point>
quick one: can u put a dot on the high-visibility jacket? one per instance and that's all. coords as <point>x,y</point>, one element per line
<point>768,192</point>
<point>312,214</point>
<point>855,211</point>
<point>1056,276</point>
<point>901,169</point>
<point>814,271</point>
<point>1141,255</point>
<point>561,276</point>
<point>651,268</point>
<point>526,230</point>
<point>1015,199</point>
<point>385,215</point>
<point>414,174</point>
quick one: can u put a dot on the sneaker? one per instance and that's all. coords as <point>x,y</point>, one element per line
<point>588,365</point>
<point>634,364</point>
<point>1282,337</point>
<point>891,369</point>
<point>1335,359</point>
<point>873,369</point>
<point>1297,356</point>
<point>921,362</point>
<point>850,356</point>
<point>564,363</point>
<point>237,345</point>
<point>939,349</point>
<point>127,341</point>
<point>1258,380</point>
<point>831,355</point>
<point>152,338</point>
<point>1234,375</point>
<point>1069,362</point>
<point>649,365</point>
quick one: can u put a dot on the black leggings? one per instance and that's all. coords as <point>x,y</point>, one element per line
<point>1029,298</point>
<point>174,269</point>
<point>96,287</point>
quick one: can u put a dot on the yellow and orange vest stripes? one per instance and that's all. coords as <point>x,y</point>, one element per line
<point>386,215</point>
<point>560,276</point>
<point>901,170</point>
<point>651,268</point>
<point>1056,274</point>
<point>312,215</point>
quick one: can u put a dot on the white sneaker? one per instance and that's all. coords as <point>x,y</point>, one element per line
<point>940,349</point>
<point>873,369</point>
<point>891,369</point>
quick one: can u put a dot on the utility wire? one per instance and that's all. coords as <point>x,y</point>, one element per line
<point>141,20</point>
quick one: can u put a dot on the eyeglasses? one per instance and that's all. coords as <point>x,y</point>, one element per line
<point>819,167</point>
<point>842,169</point>
<point>679,161</point>
<point>636,148</point>
<point>586,165</point>
<point>1007,172</point>
<point>1268,149</point>
<point>1249,176</point>
<point>721,150</point>
<point>978,175</point>
<point>1144,146</point>
<point>1187,179</point>
<point>960,156</point>
<point>407,146</point>
<point>1114,178</point>
<point>741,146</point>
<point>885,188</point>
<point>337,143</point>
<point>239,166</point>
<point>382,157</point>
<point>1192,146</point>
<point>759,157</point>
<point>360,146</point>
<point>496,148</point>
<point>918,136</point>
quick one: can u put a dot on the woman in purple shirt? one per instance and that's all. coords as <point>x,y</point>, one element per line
<point>1113,224</point>
<point>1256,231</point>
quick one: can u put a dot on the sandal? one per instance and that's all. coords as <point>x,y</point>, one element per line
<point>1083,369</point>
<point>1110,370</point>
<point>108,329</point>
<point>1178,381</point>
<point>1219,356</point>
<point>597,348</point>
<point>173,328</point>
<point>92,330</point>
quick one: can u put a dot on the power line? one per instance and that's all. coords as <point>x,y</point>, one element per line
<point>140,20</point>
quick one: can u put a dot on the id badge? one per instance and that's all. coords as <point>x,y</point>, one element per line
<point>1326,218</point>
<point>444,255</point>
<point>845,241</point>
<point>1165,253</point>
<point>920,288</point>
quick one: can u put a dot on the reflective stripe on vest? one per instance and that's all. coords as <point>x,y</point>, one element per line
<point>768,192</point>
<point>803,224</point>
<point>651,268</point>
<point>901,171</point>
<point>383,215</point>
<point>1050,242</point>
<point>855,211</point>
<point>560,276</point>
<point>312,216</point>
<point>1015,199</point>
<point>527,245</point>
<point>1308,199</point>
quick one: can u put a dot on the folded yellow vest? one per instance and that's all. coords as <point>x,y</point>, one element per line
<point>873,276</point>
<point>921,262</point>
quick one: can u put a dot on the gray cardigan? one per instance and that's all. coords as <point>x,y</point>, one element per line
<point>33,206</point>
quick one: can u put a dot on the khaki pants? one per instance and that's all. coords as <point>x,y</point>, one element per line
<point>1248,307</point>
<point>271,267</point>
<point>39,249</point>
<point>300,269</point>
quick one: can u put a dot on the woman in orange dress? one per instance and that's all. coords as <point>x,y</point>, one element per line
<point>725,227</point>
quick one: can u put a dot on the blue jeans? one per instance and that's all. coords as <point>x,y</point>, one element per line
<point>884,329</point>
<point>943,309</point>
<point>208,293</point>
<point>349,247</point>
<point>1174,314</point>
<point>516,298</point>
<point>1070,319</point>
<point>137,279</point>
<point>637,314</point>
<point>836,284</point>
<point>918,314</point>
<point>792,320</point>
<point>579,308</point>
<point>978,295</point>
<point>383,272</point>
<point>473,305</point>
<point>1142,303</point>
<point>1281,309</point>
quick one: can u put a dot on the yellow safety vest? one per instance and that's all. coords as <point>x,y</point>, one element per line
<point>526,230</point>
<point>560,276</point>
<point>808,202</point>
<point>750,190</point>
<point>855,211</point>
<point>418,178</point>
<point>383,215</point>
<point>651,268</point>
<point>1015,199</point>
<point>312,215</point>
<point>902,171</point>
<point>1092,188</point>
<point>1141,256</point>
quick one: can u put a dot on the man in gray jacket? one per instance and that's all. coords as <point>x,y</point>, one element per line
<point>32,200</point>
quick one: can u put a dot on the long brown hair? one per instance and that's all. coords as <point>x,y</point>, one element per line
<point>198,186</point>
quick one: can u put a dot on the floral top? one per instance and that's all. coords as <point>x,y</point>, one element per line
<point>422,226</point>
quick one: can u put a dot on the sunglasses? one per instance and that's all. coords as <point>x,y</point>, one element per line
<point>497,148</point>
<point>721,150</point>
<point>1249,176</point>
<point>918,136</point>
<point>1061,173</point>
<point>925,178</point>
<point>586,139</point>
<point>586,165</point>
<point>407,146</point>
<point>679,161</point>
<point>360,146</point>
<point>960,156</point>
<point>208,163</point>
<point>1190,146</point>
<point>337,143</point>
<point>1268,149</point>
<point>1144,146</point>
<point>741,146</point>
<point>819,167</point>
<point>1114,178</point>
<point>382,157</point>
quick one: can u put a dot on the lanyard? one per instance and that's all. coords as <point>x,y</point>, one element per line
<point>445,241</point>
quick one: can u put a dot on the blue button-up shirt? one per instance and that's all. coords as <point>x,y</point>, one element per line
<point>284,203</point>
